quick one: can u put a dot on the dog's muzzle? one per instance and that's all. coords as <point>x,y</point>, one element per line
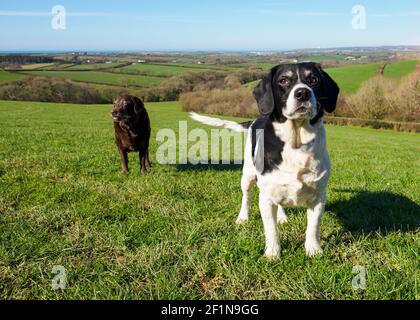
<point>117,116</point>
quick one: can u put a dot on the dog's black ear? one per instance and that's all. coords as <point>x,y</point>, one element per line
<point>263,93</point>
<point>138,106</point>
<point>330,90</point>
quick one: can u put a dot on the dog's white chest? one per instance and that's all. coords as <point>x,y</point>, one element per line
<point>297,180</point>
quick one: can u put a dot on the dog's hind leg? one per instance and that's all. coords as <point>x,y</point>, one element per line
<point>281,215</point>
<point>247,181</point>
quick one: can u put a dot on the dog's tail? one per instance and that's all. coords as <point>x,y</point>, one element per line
<point>216,122</point>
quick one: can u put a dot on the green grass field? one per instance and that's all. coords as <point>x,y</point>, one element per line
<point>94,66</point>
<point>205,66</point>
<point>58,66</point>
<point>323,57</point>
<point>261,65</point>
<point>158,69</point>
<point>399,69</point>
<point>350,78</point>
<point>101,77</point>
<point>171,234</point>
<point>9,77</point>
<point>35,66</point>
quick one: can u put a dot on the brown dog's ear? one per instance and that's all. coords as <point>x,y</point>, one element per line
<point>263,93</point>
<point>330,90</point>
<point>138,106</point>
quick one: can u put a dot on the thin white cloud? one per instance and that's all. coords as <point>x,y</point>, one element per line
<point>163,18</point>
<point>303,13</point>
<point>395,15</point>
<point>335,14</point>
<point>71,14</point>
<point>24,14</point>
<point>143,17</point>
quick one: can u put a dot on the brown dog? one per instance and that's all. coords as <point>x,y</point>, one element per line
<point>132,130</point>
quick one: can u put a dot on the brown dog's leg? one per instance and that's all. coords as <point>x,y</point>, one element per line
<point>147,159</point>
<point>124,161</point>
<point>142,158</point>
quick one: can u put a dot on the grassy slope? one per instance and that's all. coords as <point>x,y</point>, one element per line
<point>171,234</point>
<point>261,65</point>
<point>34,66</point>
<point>9,76</point>
<point>350,78</point>
<point>100,77</point>
<point>216,67</point>
<point>323,57</point>
<point>157,70</point>
<point>400,69</point>
<point>93,66</point>
<point>59,66</point>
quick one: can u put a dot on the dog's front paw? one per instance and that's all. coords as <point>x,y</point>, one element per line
<point>282,219</point>
<point>281,215</point>
<point>272,252</point>
<point>313,249</point>
<point>242,218</point>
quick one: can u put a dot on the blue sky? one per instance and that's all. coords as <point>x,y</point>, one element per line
<point>206,25</point>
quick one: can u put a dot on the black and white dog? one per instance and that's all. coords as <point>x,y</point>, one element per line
<point>286,149</point>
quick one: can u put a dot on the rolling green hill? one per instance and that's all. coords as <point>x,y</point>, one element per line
<point>94,66</point>
<point>159,70</point>
<point>9,76</point>
<point>101,77</point>
<point>399,69</point>
<point>349,78</point>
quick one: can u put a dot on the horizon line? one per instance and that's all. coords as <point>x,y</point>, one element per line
<point>207,50</point>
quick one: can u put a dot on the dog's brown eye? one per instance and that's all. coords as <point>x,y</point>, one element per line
<point>284,82</point>
<point>313,80</point>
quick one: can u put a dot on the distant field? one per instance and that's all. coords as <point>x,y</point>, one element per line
<point>400,69</point>
<point>8,76</point>
<point>350,78</point>
<point>323,57</point>
<point>251,84</point>
<point>159,70</point>
<point>94,66</point>
<point>58,66</point>
<point>36,66</point>
<point>200,66</point>
<point>171,234</point>
<point>101,77</point>
<point>262,65</point>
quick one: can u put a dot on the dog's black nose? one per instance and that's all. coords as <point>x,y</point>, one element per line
<point>302,94</point>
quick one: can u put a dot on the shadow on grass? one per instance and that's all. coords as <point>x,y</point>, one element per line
<point>382,212</point>
<point>208,167</point>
